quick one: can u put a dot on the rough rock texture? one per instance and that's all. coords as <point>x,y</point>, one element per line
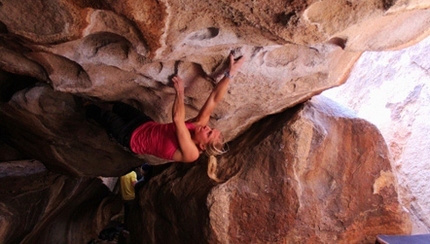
<point>129,50</point>
<point>54,53</point>
<point>394,95</point>
<point>318,175</point>
<point>38,206</point>
<point>49,126</point>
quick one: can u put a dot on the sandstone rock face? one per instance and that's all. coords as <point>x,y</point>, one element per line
<point>54,54</point>
<point>38,206</point>
<point>51,127</point>
<point>391,90</point>
<point>316,174</point>
<point>128,51</point>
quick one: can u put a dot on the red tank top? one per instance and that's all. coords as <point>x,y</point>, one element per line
<point>156,139</point>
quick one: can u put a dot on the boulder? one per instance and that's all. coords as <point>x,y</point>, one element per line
<point>58,54</point>
<point>38,206</point>
<point>314,173</point>
<point>392,92</point>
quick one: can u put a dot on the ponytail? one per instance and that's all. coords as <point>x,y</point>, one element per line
<point>212,168</point>
<point>215,148</point>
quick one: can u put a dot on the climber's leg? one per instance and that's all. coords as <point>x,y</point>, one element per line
<point>115,126</point>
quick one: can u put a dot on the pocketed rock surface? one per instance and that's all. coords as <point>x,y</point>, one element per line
<point>317,174</point>
<point>56,54</point>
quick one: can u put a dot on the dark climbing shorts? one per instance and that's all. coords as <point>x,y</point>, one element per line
<point>120,122</point>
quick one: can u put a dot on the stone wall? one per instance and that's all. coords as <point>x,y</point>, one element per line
<point>391,90</point>
<point>56,54</point>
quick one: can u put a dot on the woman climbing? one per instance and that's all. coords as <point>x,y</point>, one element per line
<point>180,141</point>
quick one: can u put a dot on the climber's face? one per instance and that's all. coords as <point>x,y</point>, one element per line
<point>204,135</point>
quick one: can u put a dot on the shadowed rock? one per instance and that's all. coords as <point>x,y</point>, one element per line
<point>314,173</point>
<point>38,206</point>
<point>306,169</point>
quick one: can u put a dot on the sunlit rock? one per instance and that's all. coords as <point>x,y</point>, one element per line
<point>56,54</point>
<point>314,174</point>
<point>392,92</point>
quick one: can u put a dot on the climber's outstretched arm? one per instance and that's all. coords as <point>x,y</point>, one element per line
<point>187,151</point>
<point>218,92</point>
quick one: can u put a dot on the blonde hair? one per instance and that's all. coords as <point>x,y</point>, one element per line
<point>215,148</point>
<point>212,168</point>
